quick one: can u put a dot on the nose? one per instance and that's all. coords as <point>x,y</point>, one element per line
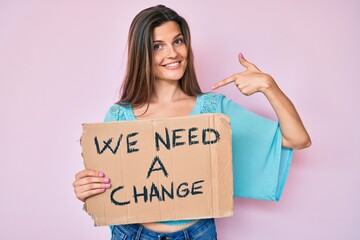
<point>172,53</point>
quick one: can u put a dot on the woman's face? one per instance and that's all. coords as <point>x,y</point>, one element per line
<point>170,52</point>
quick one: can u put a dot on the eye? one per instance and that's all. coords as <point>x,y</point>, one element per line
<point>179,41</point>
<point>157,46</point>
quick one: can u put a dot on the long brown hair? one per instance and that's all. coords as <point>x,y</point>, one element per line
<point>138,84</point>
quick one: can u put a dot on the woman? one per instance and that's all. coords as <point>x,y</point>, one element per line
<point>160,82</point>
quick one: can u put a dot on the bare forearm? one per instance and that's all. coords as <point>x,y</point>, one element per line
<point>293,131</point>
<point>253,80</point>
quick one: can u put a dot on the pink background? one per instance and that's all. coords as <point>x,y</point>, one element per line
<point>61,64</point>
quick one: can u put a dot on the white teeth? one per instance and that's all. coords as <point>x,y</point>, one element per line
<point>172,64</point>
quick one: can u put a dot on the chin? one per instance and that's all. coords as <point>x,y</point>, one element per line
<point>170,77</point>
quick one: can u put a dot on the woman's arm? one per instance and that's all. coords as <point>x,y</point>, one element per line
<point>252,80</point>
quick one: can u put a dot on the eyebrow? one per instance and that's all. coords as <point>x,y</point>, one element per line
<point>180,34</point>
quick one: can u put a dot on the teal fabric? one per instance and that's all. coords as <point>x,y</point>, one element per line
<point>260,163</point>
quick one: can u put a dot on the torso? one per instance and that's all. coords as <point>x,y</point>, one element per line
<point>180,108</point>
<point>166,228</point>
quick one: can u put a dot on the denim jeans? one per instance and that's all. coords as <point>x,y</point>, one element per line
<point>203,229</point>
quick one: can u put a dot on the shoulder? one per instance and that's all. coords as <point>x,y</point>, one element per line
<point>209,102</point>
<point>116,113</point>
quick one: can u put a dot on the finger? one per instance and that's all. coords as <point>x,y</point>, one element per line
<point>89,173</point>
<point>90,187</point>
<point>224,82</point>
<point>246,63</point>
<point>90,180</point>
<point>246,92</point>
<point>84,195</point>
<point>86,191</point>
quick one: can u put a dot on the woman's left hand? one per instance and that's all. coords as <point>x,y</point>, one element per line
<point>250,81</point>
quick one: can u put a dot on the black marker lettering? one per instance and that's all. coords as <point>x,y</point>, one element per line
<point>154,192</point>
<point>193,189</point>
<point>210,130</point>
<point>129,144</point>
<point>169,194</point>
<point>144,194</point>
<point>158,137</point>
<point>175,136</point>
<point>191,142</point>
<point>107,145</point>
<point>151,169</point>
<point>186,190</point>
<point>113,199</point>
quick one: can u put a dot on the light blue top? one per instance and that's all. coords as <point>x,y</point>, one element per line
<point>260,163</point>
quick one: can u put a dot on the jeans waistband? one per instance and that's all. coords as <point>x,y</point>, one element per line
<point>195,231</point>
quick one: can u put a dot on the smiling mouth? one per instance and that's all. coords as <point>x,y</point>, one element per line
<point>173,64</point>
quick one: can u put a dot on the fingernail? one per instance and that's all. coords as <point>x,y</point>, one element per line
<point>106,180</point>
<point>241,55</point>
<point>101,174</point>
<point>103,189</point>
<point>212,87</point>
<point>107,185</point>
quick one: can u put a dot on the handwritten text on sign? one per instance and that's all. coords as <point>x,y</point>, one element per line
<point>209,136</point>
<point>159,162</point>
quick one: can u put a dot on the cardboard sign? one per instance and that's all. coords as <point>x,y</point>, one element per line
<point>169,169</point>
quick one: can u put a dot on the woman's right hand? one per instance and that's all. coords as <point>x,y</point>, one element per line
<point>89,183</point>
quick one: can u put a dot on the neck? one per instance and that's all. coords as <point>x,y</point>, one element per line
<point>167,91</point>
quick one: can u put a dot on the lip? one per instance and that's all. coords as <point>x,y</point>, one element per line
<point>172,65</point>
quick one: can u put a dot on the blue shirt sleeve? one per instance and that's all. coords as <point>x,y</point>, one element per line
<point>260,163</point>
<point>110,117</point>
<point>115,113</point>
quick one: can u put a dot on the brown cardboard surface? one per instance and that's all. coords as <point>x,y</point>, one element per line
<point>186,174</point>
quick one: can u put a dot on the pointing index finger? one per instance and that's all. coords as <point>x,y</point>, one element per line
<point>223,82</point>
